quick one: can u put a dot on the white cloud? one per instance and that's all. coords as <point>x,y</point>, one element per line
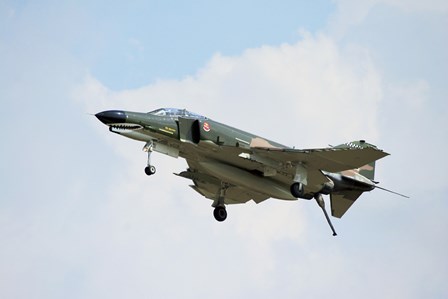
<point>313,82</point>
<point>413,95</point>
<point>304,94</point>
<point>301,94</point>
<point>81,220</point>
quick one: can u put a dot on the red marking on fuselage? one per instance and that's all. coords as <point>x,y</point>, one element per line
<point>206,127</point>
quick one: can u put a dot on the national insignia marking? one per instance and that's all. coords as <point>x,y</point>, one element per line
<point>206,127</point>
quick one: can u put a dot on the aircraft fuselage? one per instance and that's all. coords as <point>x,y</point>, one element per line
<point>228,165</point>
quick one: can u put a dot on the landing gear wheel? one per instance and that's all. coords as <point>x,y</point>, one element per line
<point>297,190</point>
<point>220,213</point>
<point>150,170</point>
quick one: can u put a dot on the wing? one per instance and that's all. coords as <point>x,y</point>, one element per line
<point>328,159</point>
<point>310,163</point>
<point>209,187</point>
<point>282,165</point>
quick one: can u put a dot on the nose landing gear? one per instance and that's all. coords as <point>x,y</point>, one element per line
<point>149,169</point>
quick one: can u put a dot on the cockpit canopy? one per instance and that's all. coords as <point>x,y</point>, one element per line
<point>175,112</point>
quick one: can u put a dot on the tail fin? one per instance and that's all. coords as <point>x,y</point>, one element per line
<point>367,170</point>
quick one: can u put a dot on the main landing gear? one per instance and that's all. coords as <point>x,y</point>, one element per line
<point>297,190</point>
<point>220,212</point>
<point>149,169</point>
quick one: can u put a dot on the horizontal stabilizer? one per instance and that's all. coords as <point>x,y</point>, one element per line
<point>342,201</point>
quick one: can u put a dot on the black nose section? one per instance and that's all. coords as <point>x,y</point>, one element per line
<point>111,117</point>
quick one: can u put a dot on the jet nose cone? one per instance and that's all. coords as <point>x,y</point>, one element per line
<point>111,117</point>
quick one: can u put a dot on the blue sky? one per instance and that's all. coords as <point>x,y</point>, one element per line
<point>172,39</point>
<point>79,219</point>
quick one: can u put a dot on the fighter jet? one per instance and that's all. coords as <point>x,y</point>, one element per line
<point>230,166</point>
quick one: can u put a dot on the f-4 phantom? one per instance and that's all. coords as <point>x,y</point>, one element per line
<point>230,166</point>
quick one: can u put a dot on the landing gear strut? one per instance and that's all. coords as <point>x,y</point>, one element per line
<point>149,169</point>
